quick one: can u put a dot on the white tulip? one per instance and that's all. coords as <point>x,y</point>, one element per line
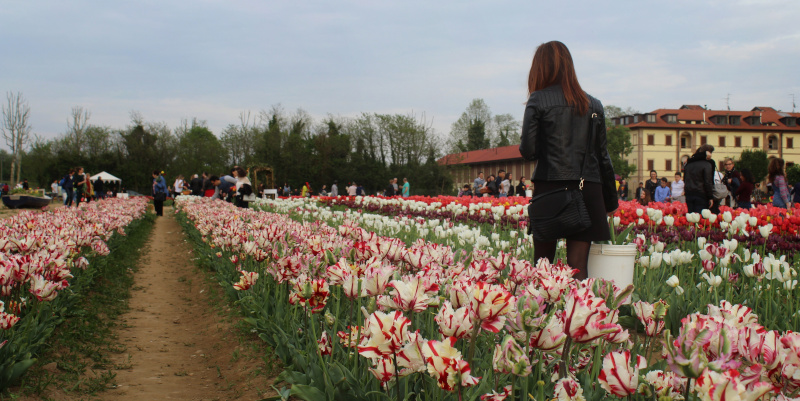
<point>790,284</point>
<point>673,281</point>
<point>640,222</point>
<point>701,242</point>
<point>753,221</point>
<point>693,217</point>
<point>658,246</point>
<point>639,212</point>
<point>705,255</point>
<point>712,218</point>
<point>705,213</point>
<point>727,216</point>
<point>669,221</point>
<point>655,260</point>
<point>616,220</point>
<point>723,226</point>
<point>765,230</point>
<point>730,244</point>
<point>679,290</point>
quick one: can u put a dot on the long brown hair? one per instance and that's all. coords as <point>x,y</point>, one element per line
<point>552,64</point>
<point>775,168</point>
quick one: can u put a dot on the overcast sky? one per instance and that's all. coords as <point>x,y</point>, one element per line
<point>173,59</point>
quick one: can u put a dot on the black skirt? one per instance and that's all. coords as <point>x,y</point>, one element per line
<point>593,197</point>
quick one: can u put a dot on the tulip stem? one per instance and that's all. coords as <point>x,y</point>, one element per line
<point>688,388</point>
<point>475,330</point>
<point>562,370</point>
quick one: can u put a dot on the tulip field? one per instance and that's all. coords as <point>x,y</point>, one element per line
<point>368,298</point>
<point>47,261</point>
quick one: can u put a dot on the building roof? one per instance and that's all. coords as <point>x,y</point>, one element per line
<point>694,115</point>
<point>483,155</point>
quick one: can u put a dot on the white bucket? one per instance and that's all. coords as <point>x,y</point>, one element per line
<point>612,262</point>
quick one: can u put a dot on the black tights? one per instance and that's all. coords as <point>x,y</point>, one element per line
<point>577,254</point>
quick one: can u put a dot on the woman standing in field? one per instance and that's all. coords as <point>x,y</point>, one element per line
<point>557,134</point>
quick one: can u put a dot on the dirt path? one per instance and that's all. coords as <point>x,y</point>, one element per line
<point>177,347</point>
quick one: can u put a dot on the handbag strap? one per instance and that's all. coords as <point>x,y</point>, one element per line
<point>589,146</point>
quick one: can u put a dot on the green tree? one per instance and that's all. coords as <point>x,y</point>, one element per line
<point>507,130</point>
<point>619,147</point>
<point>200,150</point>
<point>793,174</point>
<point>476,113</point>
<point>756,161</point>
<point>476,136</point>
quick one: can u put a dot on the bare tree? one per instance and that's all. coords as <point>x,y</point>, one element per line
<point>16,130</point>
<point>76,129</point>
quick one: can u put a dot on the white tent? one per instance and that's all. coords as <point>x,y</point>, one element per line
<point>106,177</point>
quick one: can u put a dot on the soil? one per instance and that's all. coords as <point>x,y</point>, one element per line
<point>177,346</point>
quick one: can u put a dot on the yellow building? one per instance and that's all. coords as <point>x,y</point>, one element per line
<point>663,137</point>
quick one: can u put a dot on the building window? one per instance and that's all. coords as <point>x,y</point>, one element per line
<point>668,165</point>
<point>668,140</point>
<point>755,120</point>
<point>789,143</point>
<point>703,139</point>
<point>686,141</point>
<point>772,143</point>
<point>651,118</point>
<point>737,141</point>
<point>651,139</point>
<point>651,165</point>
<point>755,142</point>
<point>672,118</point>
<point>736,120</point>
<point>722,141</point>
<point>722,120</point>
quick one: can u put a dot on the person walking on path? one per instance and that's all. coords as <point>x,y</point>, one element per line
<point>406,188</point>
<point>396,187</point>
<point>159,192</point>
<point>80,185</point>
<point>54,189</point>
<point>777,176</point>
<point>68,185</point>
<point>558,107</point>
<point>699,180</point>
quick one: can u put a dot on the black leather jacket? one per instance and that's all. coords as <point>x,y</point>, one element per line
<point>557,139</point>
<point>699,176</point>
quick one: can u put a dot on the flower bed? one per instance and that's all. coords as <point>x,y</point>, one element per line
<point>46,263</point>
<point>357,315</point>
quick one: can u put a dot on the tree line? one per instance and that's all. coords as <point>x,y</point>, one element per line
<point>368,149</point>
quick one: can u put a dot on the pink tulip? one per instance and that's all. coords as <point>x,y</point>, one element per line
<point>384,334</point>
<point>246,281</point>
<point>586,317</point>
<point>646,313</point>
<point>495,396</point>
<point>324,344</point>
<point>446,366</point>
<point>454,323</point>
<point>568,389</point>
<point>489,305</point>
<point>618,377</point>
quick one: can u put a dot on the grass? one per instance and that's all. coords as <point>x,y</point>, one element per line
<point>77,359</point>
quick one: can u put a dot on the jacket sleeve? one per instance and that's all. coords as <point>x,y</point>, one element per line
<point>606,168</point>
<point>530,129</point>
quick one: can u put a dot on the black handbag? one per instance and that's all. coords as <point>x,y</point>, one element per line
<point>160,196</point>
<point>561,212</point>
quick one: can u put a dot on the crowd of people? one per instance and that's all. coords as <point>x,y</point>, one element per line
<point>497,186</point>
<point>351,189</point>
<point>76,187</point>
<point>700,185</point>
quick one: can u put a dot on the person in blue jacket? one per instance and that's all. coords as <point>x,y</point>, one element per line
<point>159,192</point>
